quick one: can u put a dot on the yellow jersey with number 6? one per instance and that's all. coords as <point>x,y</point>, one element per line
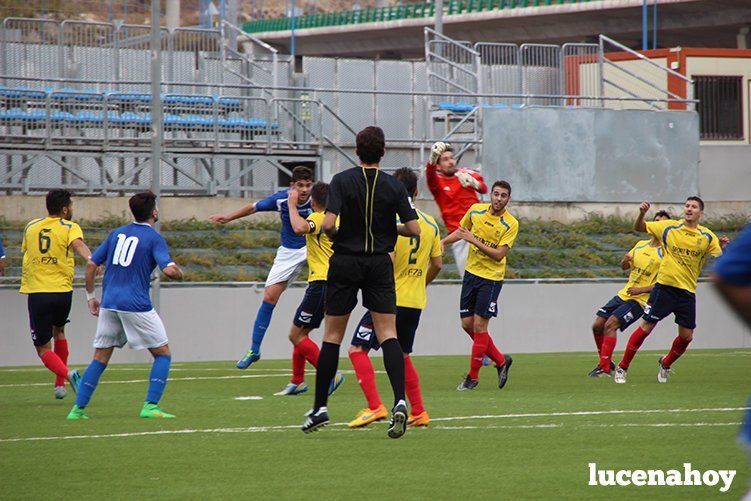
<point>411,259</point>
<point>48,262</point>
<point>493,231</point>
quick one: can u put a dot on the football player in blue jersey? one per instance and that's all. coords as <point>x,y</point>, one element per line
<point>130,253</point>
<point>290,256</point>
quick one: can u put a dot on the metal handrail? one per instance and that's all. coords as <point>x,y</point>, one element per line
<point>645,59</point>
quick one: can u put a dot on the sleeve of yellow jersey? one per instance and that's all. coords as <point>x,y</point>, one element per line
<point>315,221</point>
<point>466,221</point>
<point>437,249</point>
<point>714,246</point>
<point>655,228</point>
<point>23,243</point>
<point>510,235</point>
<point>74,233</point>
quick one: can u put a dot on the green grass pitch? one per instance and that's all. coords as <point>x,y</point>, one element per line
<point>533,440</point>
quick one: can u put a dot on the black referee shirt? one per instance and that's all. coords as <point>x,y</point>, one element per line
<point>367,202</point>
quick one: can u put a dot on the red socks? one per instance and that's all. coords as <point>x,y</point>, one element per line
<point>494,353</point>
<point>308,350</point>
<point>598,342</point>
<point>678,348</point>
<point>479,348</point>
<point>606,352</point>
<point>298,366</point>
<point>366,378</point>
<point>412,385</point>
<point>61,349</point>
<point>53,363</point>
<point>634,343</point>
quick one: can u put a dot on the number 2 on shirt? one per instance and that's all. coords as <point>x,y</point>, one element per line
<point>415,243</point>
<point>124,250</point>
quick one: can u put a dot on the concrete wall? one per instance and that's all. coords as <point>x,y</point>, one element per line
<point>214,323</point>
<point>725,172</point>
<point>26,207</point>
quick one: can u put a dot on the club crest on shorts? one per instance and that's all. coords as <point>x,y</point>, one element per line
<point>628,317</point>
<point>305,317</point>
<point>492,307</point>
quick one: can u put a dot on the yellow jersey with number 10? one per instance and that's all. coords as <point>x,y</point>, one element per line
<point>48,262</point>
<point>319,248</point>
<point>493,231</point>
<point>411,259</point>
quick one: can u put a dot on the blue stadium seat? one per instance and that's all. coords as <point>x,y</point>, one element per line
<point>455,107</point>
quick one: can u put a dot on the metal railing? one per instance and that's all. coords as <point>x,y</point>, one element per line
<point>639,76</point>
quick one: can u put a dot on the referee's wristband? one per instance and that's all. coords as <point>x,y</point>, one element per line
<point>89,296</point>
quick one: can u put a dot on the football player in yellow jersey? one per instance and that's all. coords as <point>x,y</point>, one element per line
<point>686,245</point>
<point>627,306</point>
<point>311,310</point>
<point>417,261</point>
<point>47,278</point>
<point>490,230</point>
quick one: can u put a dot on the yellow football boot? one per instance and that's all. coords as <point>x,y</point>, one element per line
<point>367,416</point>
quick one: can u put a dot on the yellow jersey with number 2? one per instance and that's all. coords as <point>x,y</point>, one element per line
<point>411,259</point>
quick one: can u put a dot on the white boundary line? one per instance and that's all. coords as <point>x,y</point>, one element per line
<point>191,378</point>
<point>256,429</point>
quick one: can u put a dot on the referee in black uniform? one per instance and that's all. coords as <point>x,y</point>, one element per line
<point>367,202</point>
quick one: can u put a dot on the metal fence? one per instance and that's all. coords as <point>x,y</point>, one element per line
<point>79,95</point>
<point>79,50</point>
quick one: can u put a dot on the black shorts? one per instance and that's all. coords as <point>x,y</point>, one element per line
<point>47,309</point>
<point>627,312</point>
<point>373,275</point>
<point>664,300</point>
<point>310,312</point>
<point>407,320</point>
<point>479,296</point>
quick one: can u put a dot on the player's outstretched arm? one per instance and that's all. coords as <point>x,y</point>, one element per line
<point>81,248</point>
<point>89,276</point>
<point>299,225</point>
<point>243,211</point>
<point>455,236</point>
<point>434,268</point>
<point>639,224</point>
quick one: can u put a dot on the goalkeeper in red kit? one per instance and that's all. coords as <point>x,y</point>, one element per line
<point>455,190</point>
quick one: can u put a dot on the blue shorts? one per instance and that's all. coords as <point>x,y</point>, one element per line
<point>627,312</point>
<point>665,300</point>
<point>407,321</point>
<point>310,312</point>
<point>479,296</point>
